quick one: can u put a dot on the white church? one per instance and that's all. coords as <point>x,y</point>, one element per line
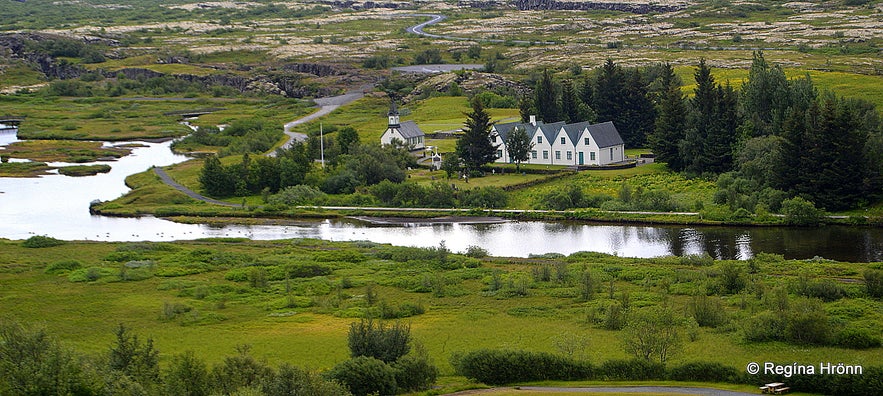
<point>407,133</point>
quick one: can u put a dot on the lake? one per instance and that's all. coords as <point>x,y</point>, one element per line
<point>58,206</point>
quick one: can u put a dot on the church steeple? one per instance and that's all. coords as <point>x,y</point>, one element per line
<point>393,114</point>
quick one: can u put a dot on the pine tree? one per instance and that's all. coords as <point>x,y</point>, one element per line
<point>573,108</point>
<point>609,94</point>
<point>475,147</point>
<point>764,97</point>
<point>671,121</point>
<point>215,179</point>
<point>711,127</point>
<point>637,115</point>
<point>546,101</point>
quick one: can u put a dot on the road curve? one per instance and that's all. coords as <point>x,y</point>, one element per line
<point>436,18</point>
<point>190,193</point>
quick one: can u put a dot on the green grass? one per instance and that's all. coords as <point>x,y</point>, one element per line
<point>24,169</point>
<point>464,317</point>
<point>62,151</point>
<point>84,170</point>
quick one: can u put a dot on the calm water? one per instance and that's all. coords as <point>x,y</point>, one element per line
<point>58,206</point>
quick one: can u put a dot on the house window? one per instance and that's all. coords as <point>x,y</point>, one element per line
<point>545,154</point>
<point>563,141</point>
<point>494,139</point>
<point>592,155</point>
<point>569,156</point>
<point>499,153</point>
<point>557,155</point>
<point>611,153</point>
<point>539,140</point>
<point>533,154</point>
<point>586,141</point>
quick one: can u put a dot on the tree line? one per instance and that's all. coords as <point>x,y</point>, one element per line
<point>778,138</point>
<point>34,363</point>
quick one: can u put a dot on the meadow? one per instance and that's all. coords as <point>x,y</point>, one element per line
<point>293,300</point>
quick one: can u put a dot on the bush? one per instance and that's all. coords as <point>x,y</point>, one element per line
<point>708,312</point>
<point>365,375</point>
<point>476,252</point>
<point>497,367</point>
<point>40,241</point>
<point>857,338</point>
<point>414,373</point>
<point>874,283</point>
<point>62,266</point>
<point>632,370</point>
<point>297,195</point>
<point>765,326</point>
<point>291,380</point>
<point>386,343</point>
<point>484,197</point>
<point>704,372</point>
<point>801,212</point>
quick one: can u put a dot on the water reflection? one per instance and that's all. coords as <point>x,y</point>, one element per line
<point>57,205</point>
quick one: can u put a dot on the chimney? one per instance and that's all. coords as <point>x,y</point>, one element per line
<point>533,120</point>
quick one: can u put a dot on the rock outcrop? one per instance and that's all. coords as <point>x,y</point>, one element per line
<point>633,7</point>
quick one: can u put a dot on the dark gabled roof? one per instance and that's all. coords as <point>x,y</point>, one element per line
<point>549,130</point>
<point>573,131</point>
<point>409,129</point>
<point>504,129</point>
<point>605,134</point>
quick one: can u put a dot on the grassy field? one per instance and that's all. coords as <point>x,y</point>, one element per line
<point>63,151</point>
<point>183,294</point>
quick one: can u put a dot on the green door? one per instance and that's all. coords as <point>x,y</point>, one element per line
<point>581,158</point>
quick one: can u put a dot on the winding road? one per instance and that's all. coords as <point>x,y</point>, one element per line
<point>436,18</point>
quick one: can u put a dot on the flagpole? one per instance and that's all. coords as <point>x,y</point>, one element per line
<point>322,145</point>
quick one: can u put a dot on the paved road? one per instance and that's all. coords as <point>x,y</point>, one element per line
<point>326,106</point>
<point>436,18</point>
<point>664,390</point>
<point>190,193</point>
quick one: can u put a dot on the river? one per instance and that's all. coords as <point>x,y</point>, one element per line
<point>58,206</point>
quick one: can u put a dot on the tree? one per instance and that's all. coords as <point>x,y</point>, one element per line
<point>386,343</point>
<point>32,363</point>
<point>240,371</point>
<point>346,138</point>
<point>518,145</point>
<point>636,118</point>
<point>546,100</point>
<point>764,97</point>
<point>292,380</point>
<point>711,127</point>
<point>186,375</point>
<point>475,147</point>
<point>451,164</point>
<point>671,121</point>
<point>572,106</point>
<point>215,179</point>
<point>609,92</point>
<point>364,376</point>
<point>652,333</point>
<point>134,359</point>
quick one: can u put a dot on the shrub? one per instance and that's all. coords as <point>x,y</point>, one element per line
<point>476,252</point>
<point>62,266</point>
<point>765,326</point>
<point>365,375</point>
<point>497,367</point>
<point>297,195</point>
<point>808,323</point>
<point>708,312</point>
<point>801,212</point>
<point>291,380</point>
<point>857,338</point>
<point>705,372</point>
<point>874,283</point>
<point>484,197</point>
<point>414,373</point>
<point>386,343</point>
<point>40,241</point>
<point>632,370</point>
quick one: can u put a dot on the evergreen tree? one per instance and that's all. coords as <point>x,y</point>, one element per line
<point>475,148</point>
<point>526,108</point>
<point>572,106</point>
<point>711,126</point>
<point>518,146</point>
<point>215,179</point>
<point>671,121</point>
<point>764,97</point>
<point>609,92</point>
<point>546,101</point>
<point>635,121</point>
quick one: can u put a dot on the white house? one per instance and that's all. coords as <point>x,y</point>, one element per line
<point>406,132</point>
<point>564,144</point>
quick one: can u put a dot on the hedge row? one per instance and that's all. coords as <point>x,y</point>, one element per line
<point>499,367</point>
